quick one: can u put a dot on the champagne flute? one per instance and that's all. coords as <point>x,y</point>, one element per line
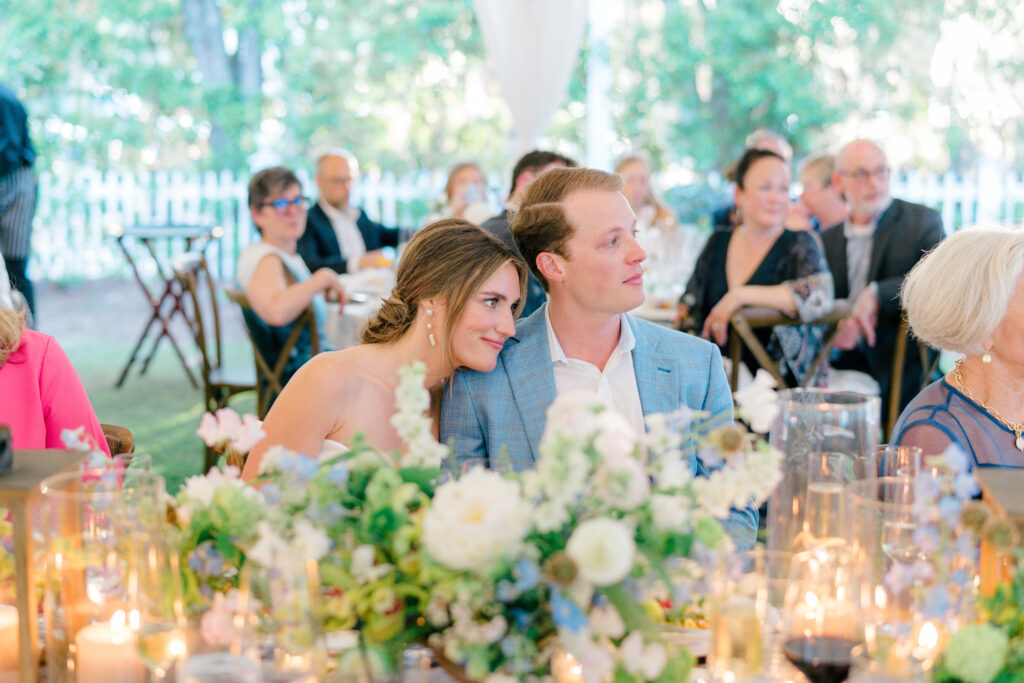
<point>278,606</point>
<point>156,614</point>
<point>821,625</point>
<point>899,521</point>
<point>898,461</point>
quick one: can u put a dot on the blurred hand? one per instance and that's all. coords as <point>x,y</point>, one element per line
<point>848,336</point>
<point>374,259</point>
<point>716,325</point>
<point>681,313</point>
<point>865,314</point>
<point>328,282</point>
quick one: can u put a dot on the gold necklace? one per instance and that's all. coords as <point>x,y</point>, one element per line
<point>1015,427</point>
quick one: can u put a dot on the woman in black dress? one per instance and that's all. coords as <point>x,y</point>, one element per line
<point>760,263</point>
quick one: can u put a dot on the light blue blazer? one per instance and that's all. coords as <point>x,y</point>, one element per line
<point>484,413</point>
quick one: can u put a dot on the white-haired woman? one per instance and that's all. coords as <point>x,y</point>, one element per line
<point>967,295</point>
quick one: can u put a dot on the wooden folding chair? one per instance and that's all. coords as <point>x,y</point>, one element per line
<point>220,382</point>
<point>746,320</point>
<point>273,347</point>
<point>119,439</point>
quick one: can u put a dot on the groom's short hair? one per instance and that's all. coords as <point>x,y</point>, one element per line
<point>540,223</point>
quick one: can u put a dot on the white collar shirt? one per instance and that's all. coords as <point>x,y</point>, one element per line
<point>350,240</point>
<point>616,384</point>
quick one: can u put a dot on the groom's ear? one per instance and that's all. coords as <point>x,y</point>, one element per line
<point>551,266</point>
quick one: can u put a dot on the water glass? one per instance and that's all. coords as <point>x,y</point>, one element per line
<point>156,612</point>
<point>279,606</point>
<point>737,611</point>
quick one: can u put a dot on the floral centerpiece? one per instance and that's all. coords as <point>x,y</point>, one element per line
<point>499,573</point>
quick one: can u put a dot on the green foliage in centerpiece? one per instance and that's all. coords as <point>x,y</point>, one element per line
<point>496,572</point>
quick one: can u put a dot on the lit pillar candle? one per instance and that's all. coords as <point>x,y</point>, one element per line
<point>106,652</point>
<point>8,644</point>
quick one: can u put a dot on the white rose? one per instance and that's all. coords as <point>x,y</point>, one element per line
<point>603,550</point>
<point>310,542</point>
<point>475,521</point>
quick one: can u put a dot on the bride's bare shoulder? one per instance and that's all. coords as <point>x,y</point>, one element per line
<point>346,370</point>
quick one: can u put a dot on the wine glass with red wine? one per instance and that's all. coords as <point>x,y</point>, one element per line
<point>821,624</point>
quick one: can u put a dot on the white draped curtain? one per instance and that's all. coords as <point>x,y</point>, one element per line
<point>533,45</point>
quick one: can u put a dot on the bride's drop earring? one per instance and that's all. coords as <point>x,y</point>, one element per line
<point>430,334</point>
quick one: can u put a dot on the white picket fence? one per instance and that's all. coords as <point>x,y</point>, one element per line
<point>79,212</point>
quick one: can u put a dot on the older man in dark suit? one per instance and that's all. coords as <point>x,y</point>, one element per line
<point>338,235</point>
<point>869,254</point>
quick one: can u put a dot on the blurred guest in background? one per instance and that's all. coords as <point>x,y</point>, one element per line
<point>276,281</point>
<point>338,235</point>
<point>40,393</point>
<point>967,295</point>
<point>726,218</point>
<point>821,199</point>
<point>465,195</point>
<point>635,170</point>
<point>531,165</point>
<point>869,254</point>
<point>17,193</point>
<point>761,263</point>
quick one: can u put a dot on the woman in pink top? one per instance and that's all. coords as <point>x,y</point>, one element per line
<point>40,393</point>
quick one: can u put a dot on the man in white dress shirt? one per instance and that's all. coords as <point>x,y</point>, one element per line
<point>338,235</point>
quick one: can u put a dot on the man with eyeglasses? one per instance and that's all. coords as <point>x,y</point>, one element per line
<point>869,254</point>
<point>338,235</point>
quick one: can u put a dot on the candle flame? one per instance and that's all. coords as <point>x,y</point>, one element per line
<point>928,638</point>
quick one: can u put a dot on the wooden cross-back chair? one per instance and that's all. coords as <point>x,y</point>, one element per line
<point>277,351</point>
<point>220,382</point>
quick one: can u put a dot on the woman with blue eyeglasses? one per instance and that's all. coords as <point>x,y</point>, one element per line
<point>276,281</point>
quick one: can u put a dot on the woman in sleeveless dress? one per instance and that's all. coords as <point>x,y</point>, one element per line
<point>457,293</point>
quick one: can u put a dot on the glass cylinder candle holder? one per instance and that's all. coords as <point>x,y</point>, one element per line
<point>828,439</point>
<point>88,519</point>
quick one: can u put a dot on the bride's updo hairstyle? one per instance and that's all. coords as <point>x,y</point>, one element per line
<point>448,260</point>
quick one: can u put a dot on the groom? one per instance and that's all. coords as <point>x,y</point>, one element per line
<point>577,232</point>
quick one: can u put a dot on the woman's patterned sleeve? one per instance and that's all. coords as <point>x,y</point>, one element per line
<point>809,278</point>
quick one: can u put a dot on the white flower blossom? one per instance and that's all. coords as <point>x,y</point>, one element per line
<point>310,543</point>
<point>595,659</point>
<point>270,549</point>
<point>198,491</point>
<point>475,521</point>
<point>412,400</point>
<point>603,550</point>
<point>670,512</point>
<point>605,621</point>
<point>757,404</point>
<point>226,427</point>
<point>622,483</point>
<point>273,457</point>
<point>648,661</point>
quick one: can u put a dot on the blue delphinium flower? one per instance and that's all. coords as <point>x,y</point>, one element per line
<point>338,474</point>
<point>965,486</point>
<point>950,508</point>
<point>956,458</point>
<point>566,613</point>
<point>927,539</point>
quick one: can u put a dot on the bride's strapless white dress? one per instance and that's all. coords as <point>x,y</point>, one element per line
<point>330,449</point>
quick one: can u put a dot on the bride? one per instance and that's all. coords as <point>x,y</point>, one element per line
<point>457,293</point>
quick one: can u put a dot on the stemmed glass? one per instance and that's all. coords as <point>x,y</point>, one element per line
<point>156,615</point>
<point>278,606</point>
<point>821,625</point>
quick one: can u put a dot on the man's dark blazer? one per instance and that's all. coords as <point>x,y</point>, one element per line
<point>905,232</point>
<point>319,247</point>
